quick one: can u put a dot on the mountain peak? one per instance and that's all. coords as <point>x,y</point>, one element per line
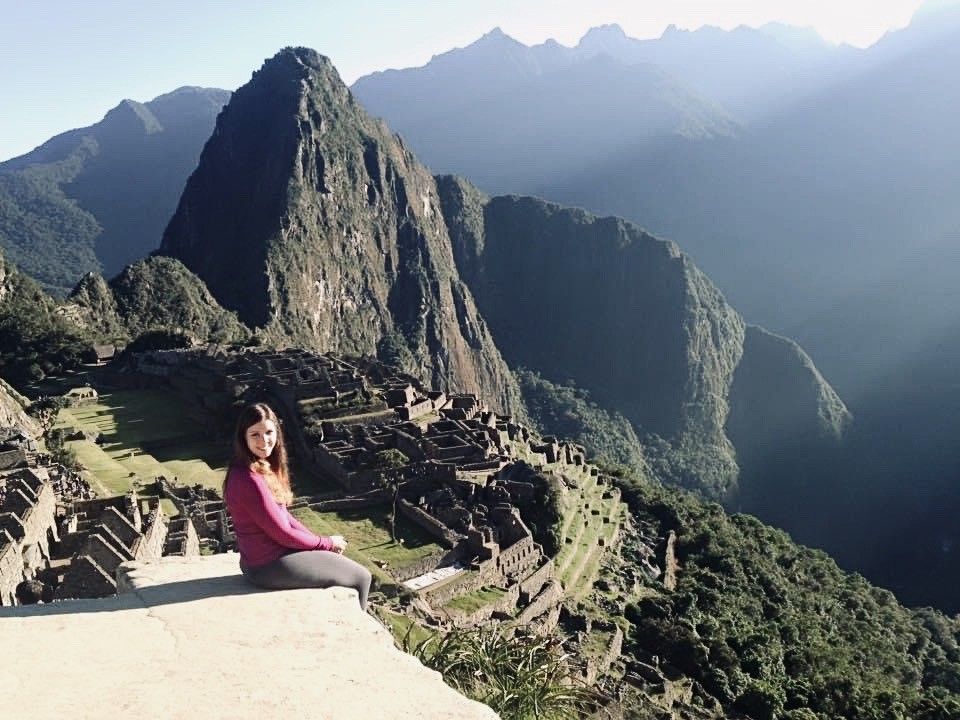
<point>496,38</point>
<point>314,223</point>
<point>132,116</point>
<point>610,30</point>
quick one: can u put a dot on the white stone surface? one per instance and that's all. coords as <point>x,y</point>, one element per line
<point>190,639</point>
<point>434,576</point>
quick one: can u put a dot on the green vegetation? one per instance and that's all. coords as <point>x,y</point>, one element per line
<point>569,413</point>
<point>34,340</point>
<point>581,531</point>
<point>42,231</point>
<point>775,630</point>
<point>368,534</point>
<point>521,678</point>
<point>475,600</point>
<point>143,434</point>
<point>98,198</point>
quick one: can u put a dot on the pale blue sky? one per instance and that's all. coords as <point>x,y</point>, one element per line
<point>64,64</point>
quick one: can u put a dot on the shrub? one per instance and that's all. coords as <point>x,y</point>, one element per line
<point>520,678</point>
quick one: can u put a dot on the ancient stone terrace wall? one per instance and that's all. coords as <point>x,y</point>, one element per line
<point>533,583</point>
<point>150,545</point>
<point>112,540</point>
<point>11,567</point>
<point>202,505</point>
<point>27,527</point>
<point>505,604</point>
<point>433,527</point>
<point>182,539</point>
<point>11,457</point>
<point>549,597</point>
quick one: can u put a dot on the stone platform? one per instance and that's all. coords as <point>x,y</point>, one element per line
<point>190,639</point>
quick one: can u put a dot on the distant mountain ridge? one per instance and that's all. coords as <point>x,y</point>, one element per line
<point>552,110</point>
<point>97,198</point>
<point>630,318</point>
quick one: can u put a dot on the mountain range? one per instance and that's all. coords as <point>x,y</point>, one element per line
<point>97,198</point>
<point>823,211</point>
<point>280,235</point>
<point>308,222</point>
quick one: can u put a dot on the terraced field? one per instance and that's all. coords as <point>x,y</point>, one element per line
<point>589,519</point>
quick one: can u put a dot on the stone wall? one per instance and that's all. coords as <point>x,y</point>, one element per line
<point>27,526</point>
<point>182,538</point>
<point>517,558</point>
<point>86,579</point>
<point>436,529</point>
<point>426,564</point>
<point>460,585</point>
<point>505,604</point>
<point>533,583</point>
<point>11,567</point>
<point>549,597</point>
<point>150,545</point>
<point>122,528</point>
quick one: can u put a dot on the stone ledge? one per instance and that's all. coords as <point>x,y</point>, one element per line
<point>189,638</point>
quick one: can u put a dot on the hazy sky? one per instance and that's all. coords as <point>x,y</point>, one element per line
<point>64,64</point>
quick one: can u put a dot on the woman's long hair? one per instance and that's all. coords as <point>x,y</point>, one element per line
<point>274,468</point>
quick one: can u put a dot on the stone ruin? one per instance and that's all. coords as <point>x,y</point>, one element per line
<point>380,436</point>
<point>203,522</point>
<point>104,534</point>
<point>17,448</point>
<point>55,531</point>
<point>27,527</point>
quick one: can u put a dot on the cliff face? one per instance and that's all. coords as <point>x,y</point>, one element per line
<point>631,319</point>
<point>13,413</point>
<point>316,225</point>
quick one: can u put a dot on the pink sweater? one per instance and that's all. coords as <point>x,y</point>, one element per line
<point>265,529</point>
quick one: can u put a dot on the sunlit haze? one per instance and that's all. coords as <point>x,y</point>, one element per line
<point>64,65</point>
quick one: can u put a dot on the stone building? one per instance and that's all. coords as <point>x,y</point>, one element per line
<point>119,533</point>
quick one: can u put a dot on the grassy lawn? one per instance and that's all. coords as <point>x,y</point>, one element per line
<point>475,600</point>
<point>368,535</point>
<point>144,433</point>
<point>404,629</point>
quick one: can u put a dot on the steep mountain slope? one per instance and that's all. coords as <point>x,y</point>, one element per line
<point>34,339</point>
<point>317,226</point>
<point>633,321</point>
<point>157,293</point>
<point>769,629</point>
<point>98,198</point>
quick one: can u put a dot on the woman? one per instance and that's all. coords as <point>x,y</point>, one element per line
<point>276,550</point>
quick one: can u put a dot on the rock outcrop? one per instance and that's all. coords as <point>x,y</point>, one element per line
<point>632,320</point>
<point>157,293</point>
<point>13,411</point>
<point>319,228</point>
<point>190,638</point>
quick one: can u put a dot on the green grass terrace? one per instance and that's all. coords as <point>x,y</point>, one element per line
<point>143,434</point>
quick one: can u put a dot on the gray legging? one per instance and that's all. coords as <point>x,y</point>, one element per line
<point>312,569</point>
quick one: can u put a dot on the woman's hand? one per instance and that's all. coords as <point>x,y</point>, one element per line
<point>339,544</point>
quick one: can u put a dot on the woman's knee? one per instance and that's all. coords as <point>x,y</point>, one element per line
<point>365,577</point>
